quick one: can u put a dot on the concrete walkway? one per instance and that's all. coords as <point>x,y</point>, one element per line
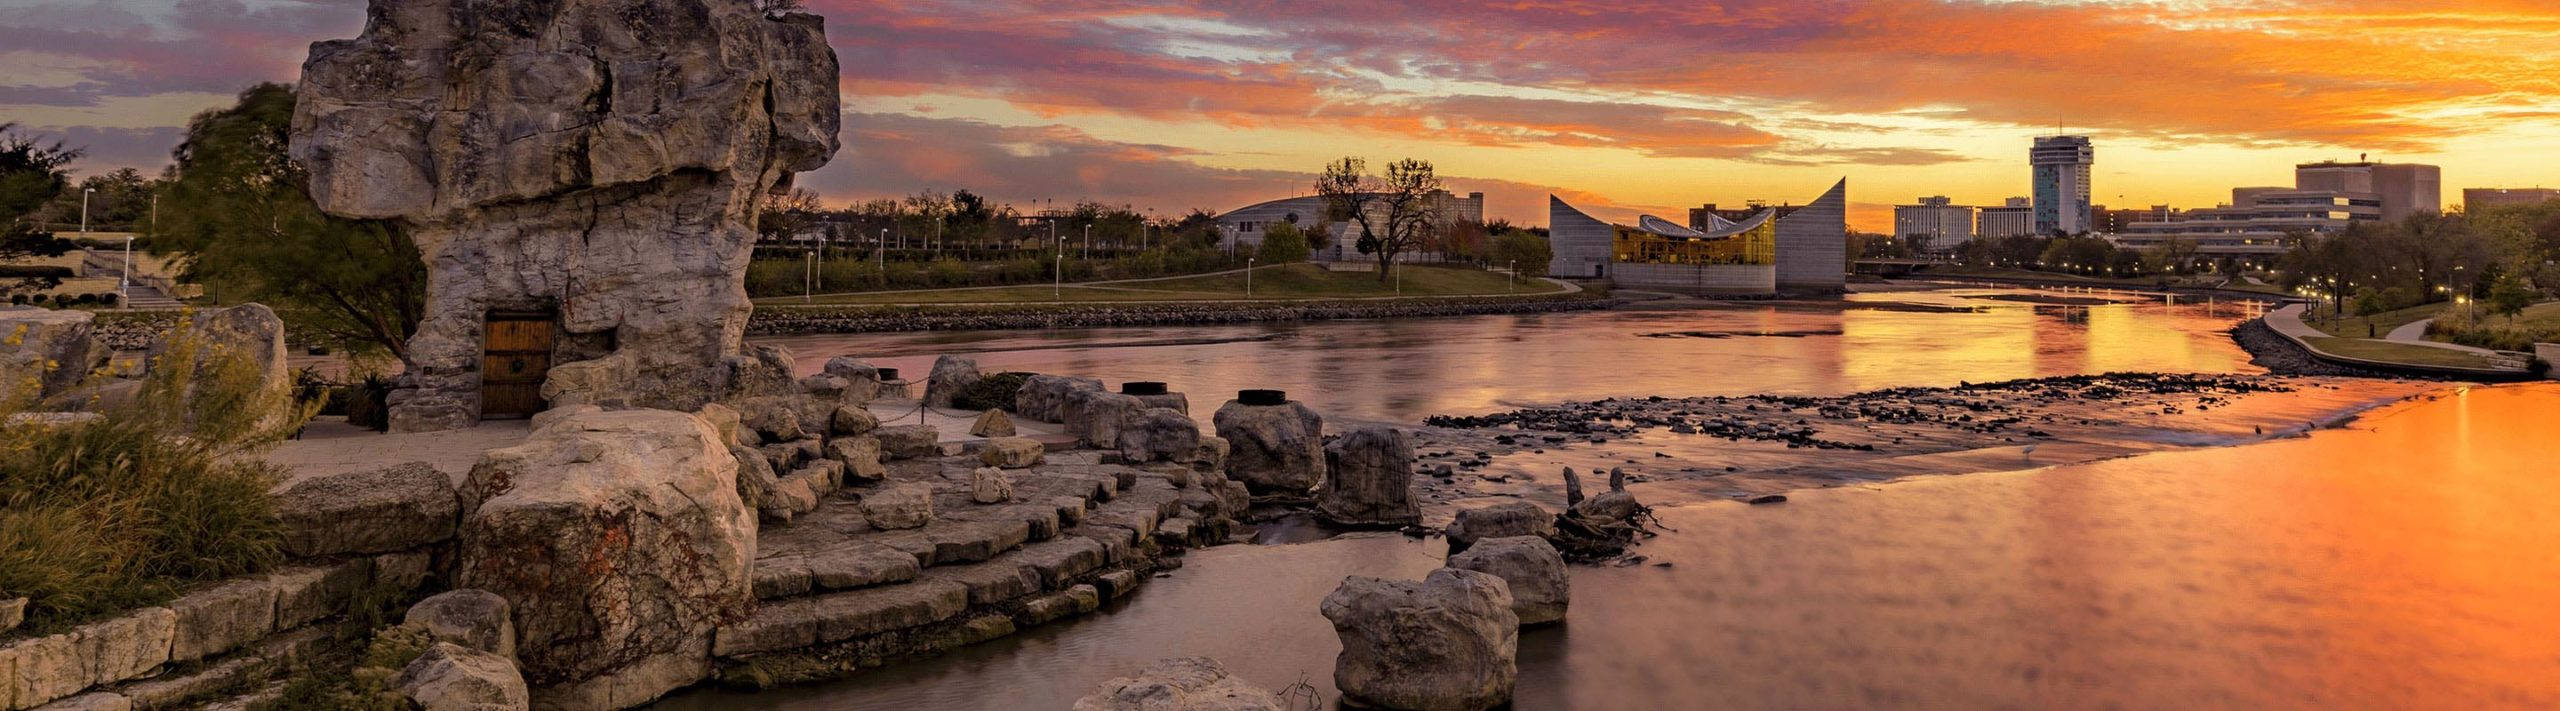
<point>2415,333</point>
<point>2287,320</point>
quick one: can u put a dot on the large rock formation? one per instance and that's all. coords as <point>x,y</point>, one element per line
<point>951,374</point>
<point>1159,434</point>
<point>1043,398</point>
<point>1532,568</point>
<point>1369,479</point>
<point>1273,448</point>
<point>594,162</point>
<point>619,541</point>
<point>53,350</point>
<point>1185,684</point>
<point>1447,643</point>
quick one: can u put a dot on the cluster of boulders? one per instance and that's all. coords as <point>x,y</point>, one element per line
<point>1148,426</point>
<point>796,448</point>
<point>470,661</point>
<point>1451,640</point>
<point>870,320</point>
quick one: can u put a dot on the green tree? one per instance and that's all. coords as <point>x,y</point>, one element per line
<point>32,173</point>
<point>2509,297</point>
<point>1282,244</point>
<point>1522,250</point>
<point>239,215</point>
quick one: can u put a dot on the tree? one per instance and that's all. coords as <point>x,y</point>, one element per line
<point>1282,244</point>
<point>239,216</point>
<point>1522,250</point>
<point>1396,211</point>
<point>31,174</point>
<point>2509,297</point>
<point>778,217</point>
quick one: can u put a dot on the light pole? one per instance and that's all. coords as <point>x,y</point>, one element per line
<point>1515,274</point>
<point>1248,277</point>
<point>124,279</point>
<point>1058,276</point>
<point>1088,241</point>
<point>84,209</point>
<point>881,253</point>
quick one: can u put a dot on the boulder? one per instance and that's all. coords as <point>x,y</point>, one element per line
<point>851,420</point>
<point>757,481</point>
<point>252,331</point>
<point>899,506</point>
<point>909,441</point>
<point>1369,479</point>
<point>825,387</point>
<point>1211,456</point>
<point>758,371</point>
<point>1043,398</point>
<point>1532,568</point>
<point>861,458</point>
<point>54,349</point>
<point>862,380</point>
<point>1096,417</point>
<point>722,418</point>
<point>450,677</point>
<point>598,161</point>
<point>13,612</point>
<point>620,542</point>
<point>1273,448</point>
<point>1186,684</point>
<point>1159,435</point>
<point>784,418</point>
<point>951,374</point>
<point>992,423</point>
<point>1503,520</point>
<point>1011,452</point>
<point>1446,643</point>
<point>478,620</point>
<point>374,511</point>
<point>989,485</point>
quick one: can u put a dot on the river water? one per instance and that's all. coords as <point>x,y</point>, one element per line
<point>1403,370</point>
<point>2406,561</point>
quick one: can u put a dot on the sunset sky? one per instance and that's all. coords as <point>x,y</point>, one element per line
<point>1619,106</point>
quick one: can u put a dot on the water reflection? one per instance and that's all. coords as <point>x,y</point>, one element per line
<point>1404,369</point>
<point>2407,562</point>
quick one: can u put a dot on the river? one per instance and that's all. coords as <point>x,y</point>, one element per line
<point>1403,370</point>
<point>2405,561</point>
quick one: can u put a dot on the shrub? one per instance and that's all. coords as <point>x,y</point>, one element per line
<point>1282,245</point>
<point>993,392</point>
<point>125,509</point>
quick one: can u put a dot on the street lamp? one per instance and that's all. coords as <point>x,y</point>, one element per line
<point>84,209</point>
<point>1515,274</point>
<point>1248,277</point>
<point>1058,285</point>
<point>124,278</point>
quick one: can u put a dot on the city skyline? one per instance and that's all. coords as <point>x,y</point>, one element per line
<point>1619,109</point>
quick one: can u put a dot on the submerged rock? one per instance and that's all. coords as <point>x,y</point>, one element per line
<point>1532,568</point>
<point>1369,479</point>
<point>1185,684</point>
<point>1503,520</point>
<point>1447,643</point>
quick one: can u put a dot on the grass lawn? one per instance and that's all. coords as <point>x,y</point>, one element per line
<point>2381,323</point>
<point>1285,282</point>
<point>2397,352</point>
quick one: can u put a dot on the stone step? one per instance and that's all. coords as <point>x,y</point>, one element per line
<point>806,621</point>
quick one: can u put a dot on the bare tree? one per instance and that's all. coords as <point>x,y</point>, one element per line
<point>1396,212</point>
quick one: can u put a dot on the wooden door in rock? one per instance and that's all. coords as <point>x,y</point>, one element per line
<point>515,357</point>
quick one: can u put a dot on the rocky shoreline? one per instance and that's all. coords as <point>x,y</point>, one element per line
<point>880,319</point>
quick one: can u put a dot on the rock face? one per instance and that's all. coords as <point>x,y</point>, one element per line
<point>951,374</point>
<point>1186,684</point>
<point>378,511</point>
<point>55,349</point>
<point>619,540</point>
<point>449,677</point>
<point>598,162</point>
<point>1532,568</point>
<point>1503,520</point>
<point>1159,435</point>
<point>1043,398</point>
<point>1273,448</point>
<point>1369,479</point>
<point>1449,642</point>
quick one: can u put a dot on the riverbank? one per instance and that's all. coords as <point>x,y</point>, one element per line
<point>795,320</point>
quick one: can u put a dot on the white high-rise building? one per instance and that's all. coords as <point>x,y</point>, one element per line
<point>2061,165</point>
<point>1936,224</point>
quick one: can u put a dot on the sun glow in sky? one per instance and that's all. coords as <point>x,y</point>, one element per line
<point>1617,106</point>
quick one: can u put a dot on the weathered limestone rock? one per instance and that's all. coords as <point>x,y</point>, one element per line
<point>221,618</point>
<point>1043,398</point>
<point>599,161</point>
<point>92,701</point>
<point>1211,456</point>
<point>992,423</point>
<point>54,349</point>
<point>377,511</point>
<point>478,620</point>
<point>774,418</point>
<point>1273,448</point>
<point>761,371</point>
<point>1369,479</point>
<point>450,677</point>
<point>951,374</point>
<point>1532,568</point>
<point>756,481</point>
<point>620,541</point>
<point>862,380</point>
<point>1159,435</point>
<point>1186,684</point>
<point>1096,418</point>
<point>909,441</point>
<point>899,506</point>
<point>851,421</point>
<point>13,611</point>
<point>786,456</point>
<point>1012,452</point>
<point>1449,642</point>
<point>1503,520</point>
<point>989,485</point>
<point>1176,402</point>
<point>861,458</point>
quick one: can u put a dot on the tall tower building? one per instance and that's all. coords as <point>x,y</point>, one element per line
<point>2061,166</point>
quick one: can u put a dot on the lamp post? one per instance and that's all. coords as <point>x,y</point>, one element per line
<point>1058,277</point>
<point>124,278</point>
<point>84,209</point>
<point>1515,274</point>
<point>1088,240</point>
<point>1248,277</point>
<point>881,253</point>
